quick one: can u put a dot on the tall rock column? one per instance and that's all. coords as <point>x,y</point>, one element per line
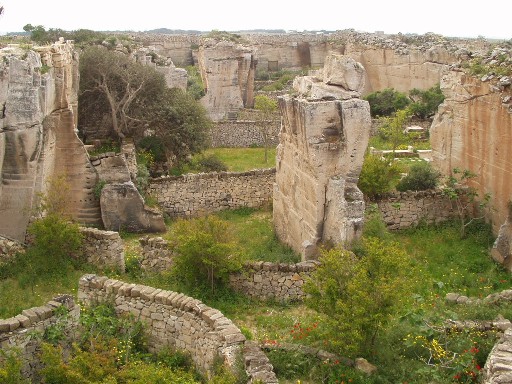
<point>227,70</point>
<point>323,138</point>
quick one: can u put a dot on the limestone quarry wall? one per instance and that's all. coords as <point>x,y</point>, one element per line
<point>38,94</point>
<point>399,69</point>
<point>407,209</point>
<point>23,333</point>
<point>242,134</point>
<point>199,194</point>
<point>473,131</point>
<point>178,321</point>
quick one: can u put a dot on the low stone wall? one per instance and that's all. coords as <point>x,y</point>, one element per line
<point>259,280</point>
<point>498,369</point>
<point>281,282</point>
<point>178,321</point>
<point>242,134</point>
<point>8,249</point>
<point>104,249</point>
<point>156,255</point>
<point>22,333</point>
<point>406,209</point>
<point>204,193</point>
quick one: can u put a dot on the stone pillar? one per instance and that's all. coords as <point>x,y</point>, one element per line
<point>323,138</point>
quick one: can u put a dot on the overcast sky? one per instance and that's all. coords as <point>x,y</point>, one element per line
<point>490,18</point>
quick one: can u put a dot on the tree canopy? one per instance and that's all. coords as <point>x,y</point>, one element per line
<point>132,100</point>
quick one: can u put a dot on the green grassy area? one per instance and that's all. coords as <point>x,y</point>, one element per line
<point>445,263</point>
<point>378,142</point>
<point>243,159</point>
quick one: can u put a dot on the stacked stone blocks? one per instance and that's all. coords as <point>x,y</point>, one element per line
<point>200,194</point>
<point>177,321</point>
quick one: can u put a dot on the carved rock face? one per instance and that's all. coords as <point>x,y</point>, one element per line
<point>472,130</point>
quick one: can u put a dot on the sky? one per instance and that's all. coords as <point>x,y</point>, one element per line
<point>446,17</point>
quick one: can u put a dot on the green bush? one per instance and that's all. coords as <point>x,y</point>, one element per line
<point>205,252</point>
<point>421,177</point>
<point>359,294</point>
<point>425,103</point>
<point>154,146</point>
<point>386,102</point>
<point>378,176</point>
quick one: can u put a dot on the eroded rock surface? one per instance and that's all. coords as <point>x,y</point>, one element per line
<point>227,70</point>
<point>473,131</point>
<point>319,158</point>
<point>38,96</point>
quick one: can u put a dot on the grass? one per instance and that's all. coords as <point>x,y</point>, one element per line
<point>445,263</point>
<point>22,297</point>
<point>244,159</point>
<point>379,143</point>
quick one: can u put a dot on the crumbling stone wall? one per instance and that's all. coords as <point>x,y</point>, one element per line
<point>242,134</point>
<point>178,321</point>
<point>277,281</point>
<point>22,333</point>
<point>156,255</point>
<point>199,194</point>
<point>402,210</point>
<point>103,249</point>
<point>8,249</point>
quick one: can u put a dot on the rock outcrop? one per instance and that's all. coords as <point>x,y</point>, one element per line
<point>227,70</point>
<point>122,206</point>
<point>319,158</point>
<point>473,131</point>
<point>38,140</point>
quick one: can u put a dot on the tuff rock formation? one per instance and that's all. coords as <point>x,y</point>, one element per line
<point>473,131</point>
<point>227,70</point>
<point>319,158</point>
<point>38,140</point>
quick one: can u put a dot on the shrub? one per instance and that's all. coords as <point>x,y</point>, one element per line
<point>422,176</point>
<point>154,146</point>
<point>211,163</point>
<point>359,294</point>
<point>206,252</point>
<point>386,102</point>
<point>425,103</point>
<point>378,176</point>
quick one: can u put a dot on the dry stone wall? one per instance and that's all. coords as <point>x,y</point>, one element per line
<point>178,321</point>
<point>280,282</point>
<point>103,249</point>
<point>23,332</point>
<point>156,255</point>
<point>259,280</point>
<point>243,134</point>
<point>407,209</point>
<point>198,194</point>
